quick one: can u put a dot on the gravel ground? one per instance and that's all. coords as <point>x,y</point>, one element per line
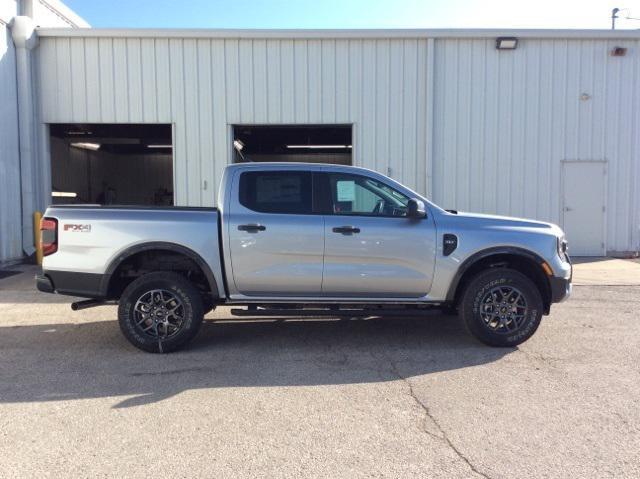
<point>350,398</point>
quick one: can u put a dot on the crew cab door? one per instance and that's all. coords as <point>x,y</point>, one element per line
<point>276,242</point>
<point>371,248</point>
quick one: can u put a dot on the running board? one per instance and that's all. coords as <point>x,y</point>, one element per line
<point>340,313</point>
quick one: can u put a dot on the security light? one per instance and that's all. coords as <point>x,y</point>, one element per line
<point>238,145</point>
<point>506,43</point>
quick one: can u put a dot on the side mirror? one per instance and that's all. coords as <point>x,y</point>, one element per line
<point>416,209</point>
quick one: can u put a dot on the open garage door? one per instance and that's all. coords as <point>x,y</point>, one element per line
<point>304,143</point>
<point>125,164</point>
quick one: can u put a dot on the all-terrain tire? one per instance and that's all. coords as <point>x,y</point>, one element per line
<point>190,311</point>
<point>485,303</point>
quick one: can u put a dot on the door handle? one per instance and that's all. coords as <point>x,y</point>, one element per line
<point>567,208</point>
<point>346,230</point>
<point>252,228</point>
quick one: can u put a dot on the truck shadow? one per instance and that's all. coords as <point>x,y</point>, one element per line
<point>92,360</point>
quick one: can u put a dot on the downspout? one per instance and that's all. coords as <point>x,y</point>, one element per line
<point>25,39</point>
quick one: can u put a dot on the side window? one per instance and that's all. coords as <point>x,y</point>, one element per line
<point>360,195</point>
<point>284,192</point>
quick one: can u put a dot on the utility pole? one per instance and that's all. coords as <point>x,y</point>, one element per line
<point>614,15</point>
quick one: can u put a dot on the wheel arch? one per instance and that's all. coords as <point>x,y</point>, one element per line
<point>157,246</point>
<point>525,261</point>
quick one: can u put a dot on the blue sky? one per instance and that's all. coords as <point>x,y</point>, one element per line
<point>354,13</point>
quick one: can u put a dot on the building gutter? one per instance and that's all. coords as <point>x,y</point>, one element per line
<point>25,39</point>
<point>444,33</point>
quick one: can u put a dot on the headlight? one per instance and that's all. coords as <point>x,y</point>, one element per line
<point>563,246</point>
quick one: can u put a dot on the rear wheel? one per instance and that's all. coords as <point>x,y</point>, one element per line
<point>160,312</point>
<point>501,307</point>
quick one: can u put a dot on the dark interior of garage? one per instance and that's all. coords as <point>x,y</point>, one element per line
<point>305,143</point>
<point>125,164</point>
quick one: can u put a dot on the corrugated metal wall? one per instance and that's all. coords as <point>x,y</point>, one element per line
<point>472,127</point>
<point>10,216</point>
<point>203,86</point>
<point>505,120</point>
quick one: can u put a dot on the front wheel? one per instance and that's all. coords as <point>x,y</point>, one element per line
<point>160,312</point>
<point>501,307</point>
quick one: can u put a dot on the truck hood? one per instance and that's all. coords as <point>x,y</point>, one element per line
<point>507,222</point>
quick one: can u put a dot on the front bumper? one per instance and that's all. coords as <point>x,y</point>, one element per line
<point>560,289</point>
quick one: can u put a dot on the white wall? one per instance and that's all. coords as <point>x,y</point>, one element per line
<point>505,120</point>
<point>10,216</point>
<point>203,86</point>
<point>491,127</point>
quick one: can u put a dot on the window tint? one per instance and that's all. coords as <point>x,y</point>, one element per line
<point>287,192</point>
<point>360,195</point>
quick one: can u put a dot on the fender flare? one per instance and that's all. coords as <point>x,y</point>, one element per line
<point>485,253</point>
<point>158,246</point>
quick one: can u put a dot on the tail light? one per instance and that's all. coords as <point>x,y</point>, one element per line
<point>49,235</point>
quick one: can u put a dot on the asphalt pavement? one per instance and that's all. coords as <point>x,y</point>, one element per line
<point>319,398</point>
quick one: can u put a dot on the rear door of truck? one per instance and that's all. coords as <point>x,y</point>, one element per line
<point>276,242</point>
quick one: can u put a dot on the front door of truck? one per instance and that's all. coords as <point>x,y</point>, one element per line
<point>276,242</point>
<point>371,248</point>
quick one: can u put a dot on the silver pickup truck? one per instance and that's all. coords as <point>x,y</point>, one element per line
<point>304,240</point>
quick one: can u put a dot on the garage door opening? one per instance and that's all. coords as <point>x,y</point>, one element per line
<point>124,164</point>
<point>305,143</point>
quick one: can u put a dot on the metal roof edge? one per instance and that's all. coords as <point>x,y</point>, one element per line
<point>331,33</point>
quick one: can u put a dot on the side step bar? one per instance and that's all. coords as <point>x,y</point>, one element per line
<point>340,313</point>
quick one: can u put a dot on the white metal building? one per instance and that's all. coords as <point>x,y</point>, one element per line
<point>548,130</point>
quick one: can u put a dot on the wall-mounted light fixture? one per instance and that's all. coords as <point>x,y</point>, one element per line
<point>506,43</point>
<point>618,51</point>
<point>86,146</point>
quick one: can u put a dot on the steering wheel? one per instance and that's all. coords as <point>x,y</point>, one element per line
<point>379,208</point>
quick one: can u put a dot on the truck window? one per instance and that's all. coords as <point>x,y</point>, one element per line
<point>284,192</point>
<point>363,196</point>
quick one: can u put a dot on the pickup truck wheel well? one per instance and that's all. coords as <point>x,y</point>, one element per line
<point>152,260</point>
<point>524,264</point>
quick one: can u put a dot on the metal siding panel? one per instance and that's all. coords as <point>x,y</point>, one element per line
<point>382,99</point>
<point>246,81</point>
<point>314,81</point>
<point>180,155</point>
<point>274,96</point>
<point>134,81</point>
<point>205,123</point>
<point>395,157</point>
<point>232,80</point>
<point>47,67</point>
<point>220,95</point>
<point>287,81</point>
<point>162,79</point>
<point>107,92</point>
<point>120,79</point>
<point>78,79</point>
<point>260,93</point>
<point>328,81</point>
<point>301,84</point>
<point>192,106</point>
<point>64,86</point>
<point>148,80</point>
<point>92,79</point>
<point>10,212</point>
<point>342,82</point>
